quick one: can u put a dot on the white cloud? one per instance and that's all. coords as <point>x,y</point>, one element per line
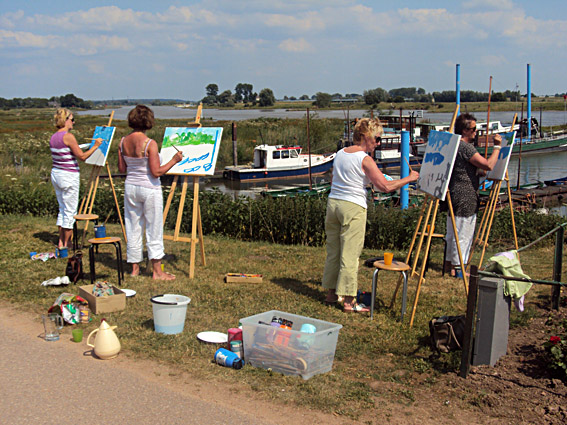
<point>27,39</point>
<point>310,21</point>
<point>491,4</point>
<point>94,66</point>
<point>86,45</point>
<point>9,20</point>
<point>295,45</point>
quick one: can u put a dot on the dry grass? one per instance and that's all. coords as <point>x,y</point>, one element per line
<point>369,354</point>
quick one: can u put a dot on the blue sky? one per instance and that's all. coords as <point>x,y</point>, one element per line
<point>174,49</point>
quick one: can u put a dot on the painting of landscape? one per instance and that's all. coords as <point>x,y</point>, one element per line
<point>99,156</point>
<point>200,147</point>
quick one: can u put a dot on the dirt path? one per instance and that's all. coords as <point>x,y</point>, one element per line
<point>58,382</point>
<point>61,383</point>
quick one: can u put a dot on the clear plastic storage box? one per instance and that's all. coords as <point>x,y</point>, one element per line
<point>289,351</point>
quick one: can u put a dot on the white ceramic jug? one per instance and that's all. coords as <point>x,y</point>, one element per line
<point>106,344</point>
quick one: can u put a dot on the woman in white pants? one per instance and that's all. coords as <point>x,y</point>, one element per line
<point>138,156</point>
<point>65,172</point>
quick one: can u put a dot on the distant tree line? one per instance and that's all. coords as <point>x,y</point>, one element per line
<point>243,93</point>
<point>67,101</point>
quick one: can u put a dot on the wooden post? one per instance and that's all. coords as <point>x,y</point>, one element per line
<point>466,356</point>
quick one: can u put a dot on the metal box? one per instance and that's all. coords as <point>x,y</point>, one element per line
<point>492,322</point>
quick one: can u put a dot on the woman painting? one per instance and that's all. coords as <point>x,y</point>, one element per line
<point>138,157</point>
<point>463,188</point>
<point>345,221</point>
<point>65,172</point>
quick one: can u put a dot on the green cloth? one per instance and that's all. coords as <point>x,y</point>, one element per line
<point>508,264</point>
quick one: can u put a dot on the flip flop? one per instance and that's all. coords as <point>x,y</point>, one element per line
<point>356,308</point>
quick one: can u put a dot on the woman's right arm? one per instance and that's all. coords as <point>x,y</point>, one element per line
<point>71,142</point>
<point>379,181</point>
<point>156,168</point>
<point>122,167</point>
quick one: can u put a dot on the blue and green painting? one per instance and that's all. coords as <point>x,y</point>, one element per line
<point>437,164</point>
<point>99,156</point>
<point>200,148</point>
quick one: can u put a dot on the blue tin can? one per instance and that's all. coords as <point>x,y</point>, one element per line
<point>227,358</point>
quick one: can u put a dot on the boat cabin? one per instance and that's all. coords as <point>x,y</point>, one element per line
<point>278,156</point>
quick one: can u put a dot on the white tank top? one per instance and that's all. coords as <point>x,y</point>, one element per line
<point>349,181</point>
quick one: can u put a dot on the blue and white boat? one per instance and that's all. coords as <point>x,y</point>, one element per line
<point>276,162</point>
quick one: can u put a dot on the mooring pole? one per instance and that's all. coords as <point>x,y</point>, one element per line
<point>556,290</point>
<point>309,149</point>
<point>234,145</point>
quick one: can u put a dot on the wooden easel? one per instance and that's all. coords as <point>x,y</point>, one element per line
<point>483,230</point>
<point>196,224</point>
<point>426,227</point>
<point>87,202</point>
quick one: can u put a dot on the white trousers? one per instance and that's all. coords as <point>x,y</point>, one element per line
<point>465,232</point>
<point>66,185</point>
<point>143,208</point>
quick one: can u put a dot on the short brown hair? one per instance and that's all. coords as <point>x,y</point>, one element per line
<point>367,126</point>
<point>141,118</point>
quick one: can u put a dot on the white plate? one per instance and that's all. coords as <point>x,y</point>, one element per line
<point>213,337</point>
<point>129,292</point>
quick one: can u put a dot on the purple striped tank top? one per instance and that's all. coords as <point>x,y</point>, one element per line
<point>63,158</point>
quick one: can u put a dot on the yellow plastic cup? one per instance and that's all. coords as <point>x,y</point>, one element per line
<point>388,257</point>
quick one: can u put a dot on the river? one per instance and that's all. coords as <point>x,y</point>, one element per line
<point>534,167</point>
<point>548,118</point>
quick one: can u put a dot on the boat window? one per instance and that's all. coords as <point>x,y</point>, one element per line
<point>276,155</point>
<point>285,154</point>
<point>293,153</point>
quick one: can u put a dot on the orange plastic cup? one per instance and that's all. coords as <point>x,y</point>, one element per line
<point>388,257</point>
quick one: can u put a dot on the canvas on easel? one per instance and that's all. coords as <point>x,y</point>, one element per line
<point>200,147</point>
<point>99,156</point>
<point>98,160</point>
<point>437,163</point>
<point>499,170</point>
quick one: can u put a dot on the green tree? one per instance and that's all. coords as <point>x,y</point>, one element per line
<point>226,98</point>
<point>375,96</point>
<point>212,90</point>
<point>243,92</point>
<point>267,97</point>
<point>322,100</point>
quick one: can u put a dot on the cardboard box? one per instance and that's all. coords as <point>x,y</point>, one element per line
<point>116,302</point>
<point>243,277</point>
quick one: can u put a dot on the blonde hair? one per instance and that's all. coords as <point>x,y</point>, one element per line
<point>368,127</point>
<point>61,115</point>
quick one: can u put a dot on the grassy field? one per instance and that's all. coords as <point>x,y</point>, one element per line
<point>369,353</point>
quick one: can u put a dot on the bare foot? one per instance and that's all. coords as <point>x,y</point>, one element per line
<point>135,270</point>
<point>163,276</point>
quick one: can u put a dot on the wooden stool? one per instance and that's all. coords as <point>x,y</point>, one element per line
<point>95,242</point>
<point>396,266</point>
<point>81,217</point>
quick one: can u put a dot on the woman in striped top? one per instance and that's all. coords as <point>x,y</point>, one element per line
<point>65,172</point>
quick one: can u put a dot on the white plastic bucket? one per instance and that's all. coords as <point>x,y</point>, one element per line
<point>169,313</point>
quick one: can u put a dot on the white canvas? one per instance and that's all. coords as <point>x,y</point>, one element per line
<point>99,156</point>
<point>200,147</point>
<point>499,170</point>
<point>438,162</point>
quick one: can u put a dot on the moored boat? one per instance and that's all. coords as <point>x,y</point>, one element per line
<point>274,162</point>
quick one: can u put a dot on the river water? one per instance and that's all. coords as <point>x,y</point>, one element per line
<point>548,118</point>
<point>533,168</point>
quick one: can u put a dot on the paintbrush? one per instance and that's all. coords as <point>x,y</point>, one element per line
<point>405,159</point>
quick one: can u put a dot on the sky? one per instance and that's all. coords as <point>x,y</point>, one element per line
<point>173,49</point>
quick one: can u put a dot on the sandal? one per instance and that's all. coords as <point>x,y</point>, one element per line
<point>356,308</point>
